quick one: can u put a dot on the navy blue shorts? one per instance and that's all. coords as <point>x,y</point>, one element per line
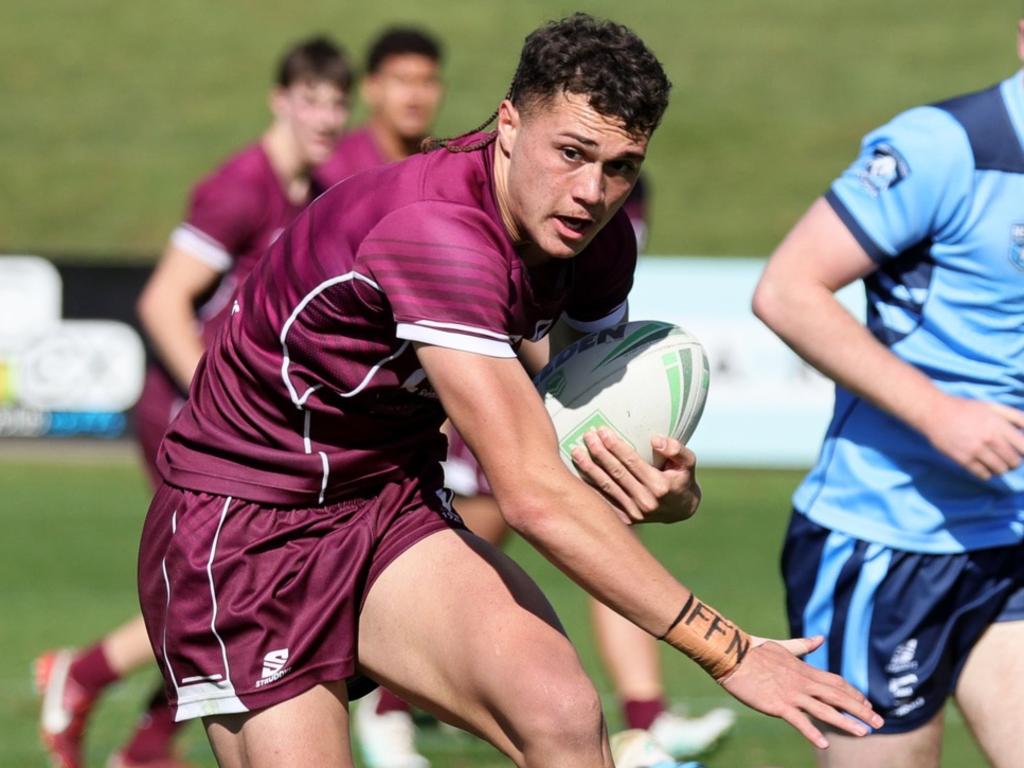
<point>898,625</point>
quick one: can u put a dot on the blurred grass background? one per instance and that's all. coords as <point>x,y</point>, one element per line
<point>113,109</point>
<point>71,531</point>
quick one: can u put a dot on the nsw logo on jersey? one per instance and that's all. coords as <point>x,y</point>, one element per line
<point>883,170</point>
<point>1017,245</point>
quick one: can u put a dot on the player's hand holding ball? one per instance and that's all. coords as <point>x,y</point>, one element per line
<point>624,401</point>
<point>640,491</point>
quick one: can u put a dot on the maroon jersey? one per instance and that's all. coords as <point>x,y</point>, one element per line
<point>234,215</point>
<point>313,392</point>
<point>357,151</point>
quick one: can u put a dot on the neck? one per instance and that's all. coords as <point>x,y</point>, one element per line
<point>290,167</point>
<point>500,168</point>
<point>391,145</point>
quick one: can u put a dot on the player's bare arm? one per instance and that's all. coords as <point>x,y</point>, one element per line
<point>795,298</point>
<point>166,310</point>
<point>493,404</point>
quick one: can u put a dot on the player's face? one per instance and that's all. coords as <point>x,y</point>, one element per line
<point>569,169</point>
<point>316,111</point>
<point>404,94</point>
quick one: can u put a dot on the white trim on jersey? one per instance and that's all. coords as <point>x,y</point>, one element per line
<point>463,328</point>
<point>592,326</point>
<point>460,341</point>
<point>326,476</point>
<point>203,247</point>
<point>286,361</point>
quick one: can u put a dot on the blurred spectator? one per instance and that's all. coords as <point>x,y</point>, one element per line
<point>234,215</point>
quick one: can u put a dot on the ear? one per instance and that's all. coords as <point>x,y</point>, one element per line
<point>509,123</point>
<point>1020,39</point>
<point>278,102</point>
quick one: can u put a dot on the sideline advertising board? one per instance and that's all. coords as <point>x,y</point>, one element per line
<point>765,406</point>
<point>61,377</point>
<point>78,377</point>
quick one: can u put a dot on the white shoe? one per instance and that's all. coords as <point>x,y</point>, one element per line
<point>637,748</point>
<point>687,736</point>
<point>388,740</point>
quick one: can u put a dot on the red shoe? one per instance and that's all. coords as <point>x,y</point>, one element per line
<point>64,710</point>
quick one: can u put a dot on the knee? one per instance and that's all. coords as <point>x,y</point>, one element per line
<point>563,713</point>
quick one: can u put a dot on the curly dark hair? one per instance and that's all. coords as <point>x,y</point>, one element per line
<point>602,60</point>
<point>580,54</point>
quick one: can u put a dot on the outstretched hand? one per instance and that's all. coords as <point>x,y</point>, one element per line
<point>641,492</point>
<point>774,681</point>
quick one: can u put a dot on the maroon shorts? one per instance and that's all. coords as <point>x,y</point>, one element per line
<point>249,605</point>
<point>159,402</point>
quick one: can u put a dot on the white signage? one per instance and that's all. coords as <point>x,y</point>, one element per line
<point>53,366</point>
<point>765,406</point>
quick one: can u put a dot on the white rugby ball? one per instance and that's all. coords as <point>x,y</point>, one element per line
<point>640,379</point>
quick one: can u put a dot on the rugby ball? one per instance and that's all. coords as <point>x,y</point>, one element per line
<point>640,379</point>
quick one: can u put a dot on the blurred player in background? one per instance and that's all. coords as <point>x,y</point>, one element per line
<point>402,89</point>
<point>905,546</point>
<point>235,213</point>
<point>303,537</point>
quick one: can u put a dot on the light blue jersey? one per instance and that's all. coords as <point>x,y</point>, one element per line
<point>937,199</point>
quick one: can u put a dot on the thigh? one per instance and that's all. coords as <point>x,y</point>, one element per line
<point>920,748</point>
<point>310,729</point>
<point>456,627</point>
<point>990,693</point>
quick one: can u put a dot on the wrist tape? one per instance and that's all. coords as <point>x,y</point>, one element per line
<point>707,637</point>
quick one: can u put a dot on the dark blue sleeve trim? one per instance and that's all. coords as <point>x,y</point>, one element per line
<point>994,141</point>
<point>866,242</point>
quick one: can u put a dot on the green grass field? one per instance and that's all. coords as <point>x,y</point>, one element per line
<point>113,109</point>
<point>70,534</point>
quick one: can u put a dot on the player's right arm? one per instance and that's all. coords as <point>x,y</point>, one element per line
<point>827,249</point>
<point>166,309</point>
<point>795,298</point>
<point>224,211</point>
<point>493,404</point>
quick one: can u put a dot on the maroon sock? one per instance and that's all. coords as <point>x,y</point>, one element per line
<point>92,671</point>
<point>390,703</point>
<point>153,734</point>
<point>640,713</point>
